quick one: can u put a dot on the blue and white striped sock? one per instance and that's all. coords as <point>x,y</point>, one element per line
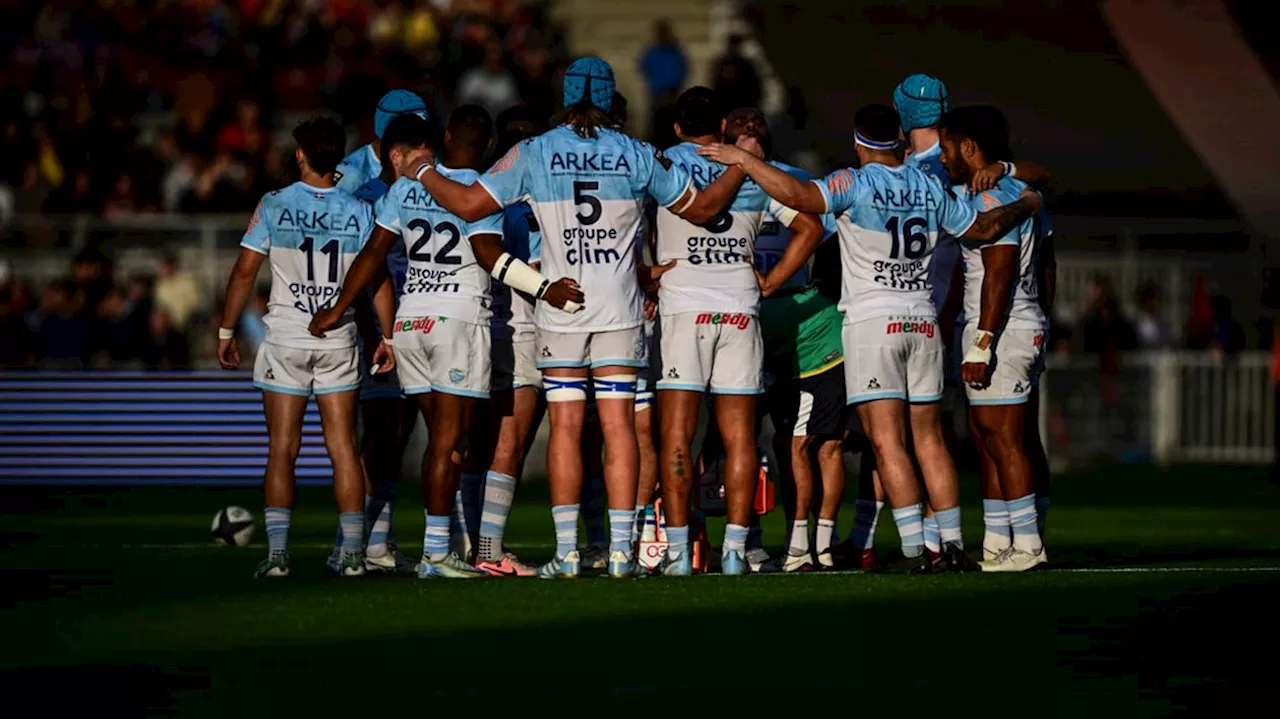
<point>278,528</point>
<point>435,540</point>
<point>1022,517</point>
<point>1042,510</point>
<point>352,524</point>
<point>386,493</point>
<point>910,529</point>
<point>379,524</point>
<point>566,520</point>
<point>621,522</point>
<point>677,541</point>
<point>499,494</point>
<point>931,539</point>
<point>865,516</point>
<point>594,504</point>
<point>948,521</point>
<point>996,534</point>
<point>735,538</point>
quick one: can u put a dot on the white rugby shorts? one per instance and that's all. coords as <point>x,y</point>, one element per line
<point>441,354</point>
<point>515,364</point>
<point>717,351</point>
<point>893,358</point>
<point>611,348</point>
<point>1016,365</point>
<point>306,372</point>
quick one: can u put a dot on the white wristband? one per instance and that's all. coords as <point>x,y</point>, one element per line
<point>226,334</point>
<point>1009,169</point>
<point>417,174</point>
<point>979,351</point>
<point>388,340</point>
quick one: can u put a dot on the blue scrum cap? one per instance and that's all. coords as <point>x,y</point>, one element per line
<point>589,78</point>
<point>394,104</point>
<point>921,101</point>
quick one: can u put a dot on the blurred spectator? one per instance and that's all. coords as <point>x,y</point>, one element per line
<point>663,64</point>
<point>177,299</point>
<point>1151,330</point>
<point>662,133</point>
<point>1104,330</point>
<point>490,85</point>
<point>1200,321</point>
<point>735,78</point>
<point>1228,335</point>
<point>61,330</point>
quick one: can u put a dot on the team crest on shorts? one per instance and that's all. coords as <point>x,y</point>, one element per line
<point>269,374</point>
<point>456,375</point>
<point>639,348</point>
<point>546,351</point>
<point>1019,388</point>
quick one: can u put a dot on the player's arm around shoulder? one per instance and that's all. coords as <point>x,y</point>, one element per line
<point>777,183</point>
<point>989,225</point>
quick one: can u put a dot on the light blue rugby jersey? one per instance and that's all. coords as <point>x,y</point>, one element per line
<point>713,271</point>
<point>358,168</point>
<point>1024,304</point>
<point>947,253</point>
<point>444,279</point>
<point>586,196</point>
<point>772,241</point>
<point>311,236</point>
<point>371,191</point>
<point>889,219</point>
<point>513,319</point>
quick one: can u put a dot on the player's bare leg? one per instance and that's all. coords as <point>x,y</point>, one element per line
<point>387,424</point>
<point>1001,432</point>
<point>510,422</point>
<point>338,417</point>
<point>858,551</point>
<point>736,418</point>
<point>800,468</point>
<point>647,485</point>
<point>941,480</point>
<point>448,421</point>
<point>566,395</point>
<point>679,423</point>
<point>615,396</point>
<point>996,536</point>
<point>595,503</point>
<point>830,460</point>
<point>284,413</point>
<point>885,421</point>
<point>1034,445</point>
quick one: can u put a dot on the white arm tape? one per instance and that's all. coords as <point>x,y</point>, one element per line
<point>225,333</point>
<point>979,351</point>
<point>417,174</point>
<point>514,273</point>
<point>1009,168</point>
<point>693,195</point>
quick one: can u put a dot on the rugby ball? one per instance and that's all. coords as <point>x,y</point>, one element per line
<point>232,527</point>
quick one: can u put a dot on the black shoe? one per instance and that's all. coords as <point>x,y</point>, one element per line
<point>955,560</point>
<point>898,563</point>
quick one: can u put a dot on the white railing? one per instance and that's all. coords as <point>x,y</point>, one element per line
<point>1163,407</point>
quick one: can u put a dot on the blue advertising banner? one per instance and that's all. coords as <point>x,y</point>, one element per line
<point>141,428</point>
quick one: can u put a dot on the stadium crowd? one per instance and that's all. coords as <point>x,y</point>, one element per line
<point>185,105</point>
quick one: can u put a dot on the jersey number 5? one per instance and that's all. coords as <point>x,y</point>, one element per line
<point>917,240</point>
<point>330,248</point>
<point>442,257</point>
<point>580,197</point>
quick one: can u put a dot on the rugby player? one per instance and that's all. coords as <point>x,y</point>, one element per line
<point>889,217</point>
<point>310,232</point>
<point>1004,341</point>
<point>386,414</point>
<point>442,324</point>
<point>365,164</point>
<point>709,303</point>
<point>803,354</point>
<point>584,181</point>
<point>501,440</point>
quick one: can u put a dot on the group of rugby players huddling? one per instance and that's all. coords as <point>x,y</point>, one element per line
<point>418,274</point>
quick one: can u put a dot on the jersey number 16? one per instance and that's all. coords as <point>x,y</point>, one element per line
<point>917,240</point>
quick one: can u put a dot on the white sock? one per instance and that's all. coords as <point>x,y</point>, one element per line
<point>798,544</point>
<point>826,531</point>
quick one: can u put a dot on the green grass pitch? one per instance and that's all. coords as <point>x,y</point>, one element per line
<point>1162,600</point>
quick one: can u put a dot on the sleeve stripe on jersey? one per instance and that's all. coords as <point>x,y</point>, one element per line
<point>259,250</point>
<point>688,186</point>
<point>960,233</point>
<point>388,228</point>
<point>497,200</point>
<point>826,196</point>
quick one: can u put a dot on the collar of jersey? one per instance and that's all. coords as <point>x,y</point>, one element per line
<point>313,188</point>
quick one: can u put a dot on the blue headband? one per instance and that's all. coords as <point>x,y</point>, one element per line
<point>859,139</point>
